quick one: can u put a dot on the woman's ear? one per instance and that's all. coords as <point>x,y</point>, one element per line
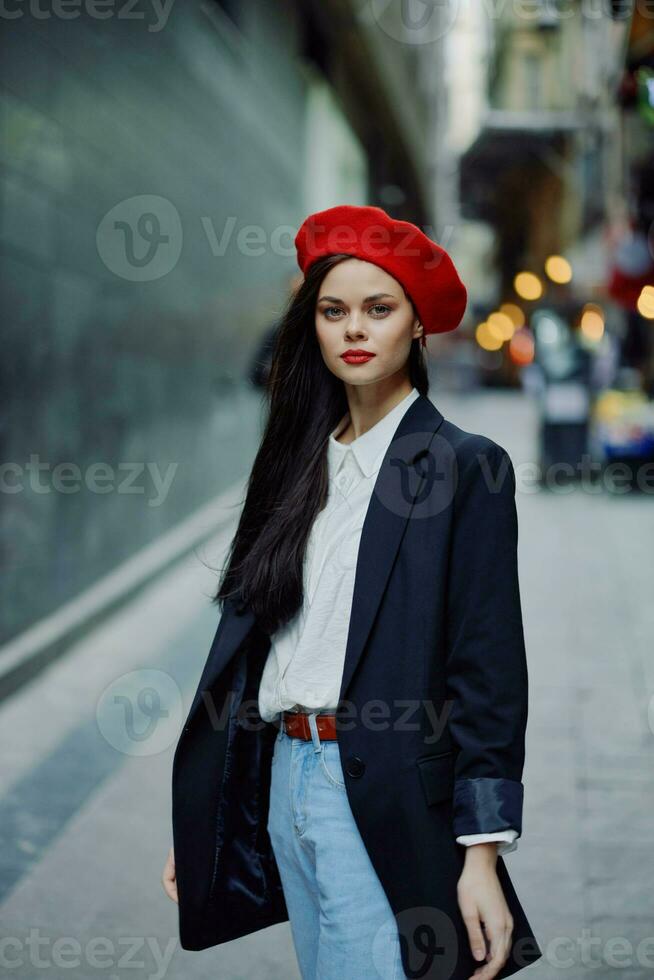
<point>420,334</point>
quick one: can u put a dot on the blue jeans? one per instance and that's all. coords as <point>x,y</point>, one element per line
<point>342,925</point>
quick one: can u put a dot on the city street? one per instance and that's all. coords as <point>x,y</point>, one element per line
<point>85,810</point>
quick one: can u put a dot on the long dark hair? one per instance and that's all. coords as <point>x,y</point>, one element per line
<point>288,483</point>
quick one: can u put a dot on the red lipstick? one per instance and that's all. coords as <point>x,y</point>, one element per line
<point>355,355</point>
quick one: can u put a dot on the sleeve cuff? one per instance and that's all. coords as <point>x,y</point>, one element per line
<point>507,840</point>
<point>484,805</point>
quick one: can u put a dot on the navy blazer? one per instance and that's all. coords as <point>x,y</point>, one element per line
<point>431,717</point>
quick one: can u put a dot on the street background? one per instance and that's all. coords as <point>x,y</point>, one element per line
<point>154,167</point>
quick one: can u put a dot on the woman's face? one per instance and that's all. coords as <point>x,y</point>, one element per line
<point>362,307</point>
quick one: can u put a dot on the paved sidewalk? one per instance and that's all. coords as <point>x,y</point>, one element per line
<point>85,819</point>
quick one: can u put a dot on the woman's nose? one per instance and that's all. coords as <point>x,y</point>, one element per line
<point>354,327</point>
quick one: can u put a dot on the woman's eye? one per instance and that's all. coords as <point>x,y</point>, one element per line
<point>379,309</point>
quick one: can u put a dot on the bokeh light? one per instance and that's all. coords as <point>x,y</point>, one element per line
<point>558,269</point>
<point>528,286</point>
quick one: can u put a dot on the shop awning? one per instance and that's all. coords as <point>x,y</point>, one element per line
<point>508,138</point>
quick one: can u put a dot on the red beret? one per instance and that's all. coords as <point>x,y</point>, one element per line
<point>424,269</point>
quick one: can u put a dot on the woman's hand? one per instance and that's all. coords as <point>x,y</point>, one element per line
<point>481,900</point>
<point>168,879</point>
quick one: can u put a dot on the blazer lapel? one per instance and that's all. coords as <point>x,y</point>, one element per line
<point>397,486</point>
<point>232,629</point>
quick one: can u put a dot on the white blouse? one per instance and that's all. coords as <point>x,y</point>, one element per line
<point>304,666</point>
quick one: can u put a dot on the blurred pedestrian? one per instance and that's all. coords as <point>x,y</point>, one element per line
<point>259,373</point>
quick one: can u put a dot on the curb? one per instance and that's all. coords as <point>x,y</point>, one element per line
<point>26,655</point>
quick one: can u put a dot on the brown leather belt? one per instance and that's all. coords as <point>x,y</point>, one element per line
<point>296,724</point>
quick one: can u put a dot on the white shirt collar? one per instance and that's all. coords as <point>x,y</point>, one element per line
<point>369,449</point>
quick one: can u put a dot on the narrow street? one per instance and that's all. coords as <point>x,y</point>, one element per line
<point>85,807</point>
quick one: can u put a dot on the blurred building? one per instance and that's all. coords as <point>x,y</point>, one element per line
<point>154,170</point>
<point>545,165</point>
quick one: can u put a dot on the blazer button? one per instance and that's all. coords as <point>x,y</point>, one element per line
<point>355,766</point>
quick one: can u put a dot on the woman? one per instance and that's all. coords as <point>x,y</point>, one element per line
<point>352,759</point>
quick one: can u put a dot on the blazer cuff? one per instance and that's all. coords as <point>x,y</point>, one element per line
<point>483,805</point>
